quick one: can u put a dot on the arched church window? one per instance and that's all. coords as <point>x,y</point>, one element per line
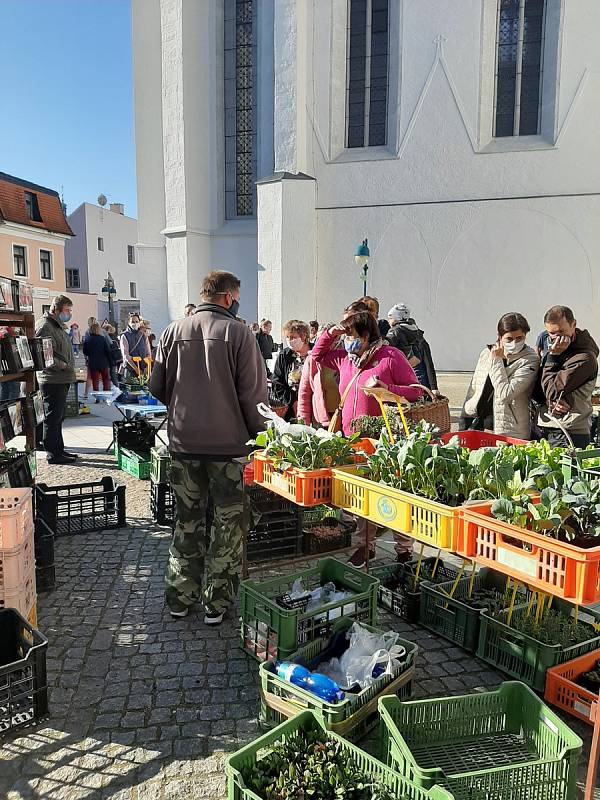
<point>519,67</point>
<point>367,73</point>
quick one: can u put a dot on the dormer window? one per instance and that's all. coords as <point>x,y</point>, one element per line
<point>33,209</point>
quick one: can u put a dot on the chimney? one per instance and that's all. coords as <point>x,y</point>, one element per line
<point>117,208</point>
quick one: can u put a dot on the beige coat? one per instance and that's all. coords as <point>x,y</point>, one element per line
<point>513,386</point>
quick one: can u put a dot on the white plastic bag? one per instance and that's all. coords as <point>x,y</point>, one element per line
<point>295,428</point>
<point>368,658</point>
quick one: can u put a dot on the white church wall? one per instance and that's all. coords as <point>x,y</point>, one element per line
<point>460,266</point>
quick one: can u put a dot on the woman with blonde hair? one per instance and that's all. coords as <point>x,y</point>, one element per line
<point>288,367</point>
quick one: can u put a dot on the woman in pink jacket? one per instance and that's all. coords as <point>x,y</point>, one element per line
<point>365,353</point>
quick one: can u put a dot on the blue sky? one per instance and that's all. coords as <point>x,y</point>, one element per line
<point>66,105</point>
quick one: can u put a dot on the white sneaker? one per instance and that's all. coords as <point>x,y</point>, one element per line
<point>183,613</point>
<point>213,619</point>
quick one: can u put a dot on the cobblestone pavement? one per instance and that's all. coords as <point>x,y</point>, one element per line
<point>144,707</point>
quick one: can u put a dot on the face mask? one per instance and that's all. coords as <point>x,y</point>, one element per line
<point>352,345</point>
<point>134,326</point>
<point>65,316</point>
<point>234,308</point>
<point>511,348</point>
<point>295,344</point>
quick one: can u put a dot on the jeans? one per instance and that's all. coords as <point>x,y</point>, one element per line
<point>55,403</point>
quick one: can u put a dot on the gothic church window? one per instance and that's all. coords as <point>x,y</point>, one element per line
<point>367,73</point>
<point>519,67</point>
<point>240,92</point>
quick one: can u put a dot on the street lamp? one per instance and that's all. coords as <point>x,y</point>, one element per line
<point>109,289</point>
<point>362,259</point>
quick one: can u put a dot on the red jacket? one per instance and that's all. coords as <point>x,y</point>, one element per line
<point>389,365</point>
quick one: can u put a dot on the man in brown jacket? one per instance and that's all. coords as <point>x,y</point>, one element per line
<point>568,378</point>
<point>210,373</point>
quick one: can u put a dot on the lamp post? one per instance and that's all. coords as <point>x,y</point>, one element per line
<point>109,290</point>
<point>361,256</point>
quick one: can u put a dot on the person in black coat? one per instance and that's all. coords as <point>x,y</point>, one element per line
<point>288,367</point>
<point>405,335</point>
<point>266,344</point>
<point>97,350</point>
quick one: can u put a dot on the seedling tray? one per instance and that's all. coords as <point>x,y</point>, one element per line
<point>453,617</point>
<point>373,769</point>
<point>271,631</point>
<point>501,745</point>
<point>354,716</point>
<point>404,601</point>
<point>521,656</point>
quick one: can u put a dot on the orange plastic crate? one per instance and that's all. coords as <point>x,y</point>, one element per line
<point>562,690</point>
<point>474,440</point>
<point>303,487</point>
<point>554,567</point>
<point>16,517</point>
<point>16,566</point>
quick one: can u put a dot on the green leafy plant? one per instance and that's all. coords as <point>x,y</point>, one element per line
<point>550,627</point>
<point>306,450</point>
<point>567,513</point>
<point>308,766</point>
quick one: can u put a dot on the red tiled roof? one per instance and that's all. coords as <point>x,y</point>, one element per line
<point>13,209</point>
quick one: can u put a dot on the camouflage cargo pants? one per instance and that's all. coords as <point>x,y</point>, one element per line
<point>195,550</point>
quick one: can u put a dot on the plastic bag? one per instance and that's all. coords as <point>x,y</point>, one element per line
<point>321,596</point>
<point>369,657</point>
<point>293,428</point>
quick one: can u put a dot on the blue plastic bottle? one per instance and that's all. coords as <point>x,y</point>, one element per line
<point>313,682</point>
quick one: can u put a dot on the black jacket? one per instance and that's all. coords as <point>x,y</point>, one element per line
<point>266,345</point>
<point>97,350</point>
<point>281,393</point>
<point>410,339</point>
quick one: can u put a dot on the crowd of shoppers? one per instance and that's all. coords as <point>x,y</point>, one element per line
<point>319,376</point>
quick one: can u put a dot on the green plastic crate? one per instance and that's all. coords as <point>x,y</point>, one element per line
<point>272,631</point>
<point>453,618</point>
<point>401,601</point>
<point>527,659</point>
<point>401,788</point>
<point>160,465</point>
<point>136,464</point>
<point>312,516</point>
<point>357,714</point>
<point>572,464</point>
<point>500,745</point>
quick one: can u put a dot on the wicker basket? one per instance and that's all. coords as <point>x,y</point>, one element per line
<point>435,410</point>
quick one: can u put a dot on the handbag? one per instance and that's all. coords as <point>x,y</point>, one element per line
<point>335,424</point>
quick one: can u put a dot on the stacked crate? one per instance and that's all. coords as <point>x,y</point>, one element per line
<point>17,552</point>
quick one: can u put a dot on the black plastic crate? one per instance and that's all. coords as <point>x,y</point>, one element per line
<point>32,407</point>
<point>23,683</point>
<point>162,503</point>
<point>273,536</point>
<point>263,500</point>
<point>338,538</point>
<point>45,573</point>
<point>403,597</point>
<point>81,507</point>
<point>19,471</point>
<point>136,434</point>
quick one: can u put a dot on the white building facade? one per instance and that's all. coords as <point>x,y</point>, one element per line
<point>460,138</point>
<point>105,241</point>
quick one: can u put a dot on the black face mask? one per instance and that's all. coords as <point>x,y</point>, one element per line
<point>234,308</point>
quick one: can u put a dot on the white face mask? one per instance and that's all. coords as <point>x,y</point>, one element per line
<point>295,344</point>
<point>134,326</point>
<point>512,348</point>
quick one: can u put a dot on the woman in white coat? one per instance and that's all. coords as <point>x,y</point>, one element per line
<point>499,396</point>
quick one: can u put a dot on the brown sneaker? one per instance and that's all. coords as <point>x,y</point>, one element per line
<point>358,558</point>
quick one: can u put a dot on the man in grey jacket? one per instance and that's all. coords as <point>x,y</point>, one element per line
<point>54,381</point>
<point>210,373</point>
